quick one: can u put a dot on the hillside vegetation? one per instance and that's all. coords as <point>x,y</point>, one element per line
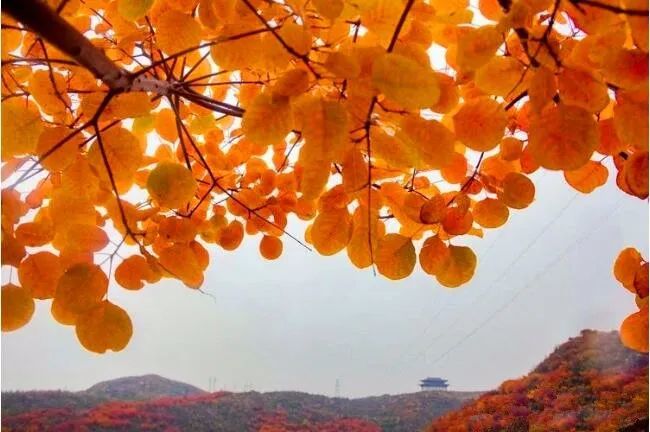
<point>109,407</point>
<point>144,387</point>
<point>589,383</point>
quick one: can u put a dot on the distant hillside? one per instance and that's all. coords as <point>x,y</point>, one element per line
<point>241,412</point>
<point>122,389</point>
<point>142,388</point>
<point>589,383</point>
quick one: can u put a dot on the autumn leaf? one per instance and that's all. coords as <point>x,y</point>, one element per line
<point>393,129</point>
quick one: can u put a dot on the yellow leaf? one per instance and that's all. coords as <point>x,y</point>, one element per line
<point>123,154</point>
<point>458,267</point>
<point>131,272</point>
<point>267,119</point>
<point>133,10</point>
<point>52,99</point>
<point>582,89</point>
<point>405,81</point>
<point>476,46</point>
<point>66,152</point>
<point>17,307</point>
<point>395,256</point>
<point>21,127</point>
<point>297,37</point>
<point>433,255</point>
<point>343,65</point>
<point>431,141</point>
<point>542,88</point>
<point>330,9</point>
<point>176,31</point>
<point>171,185</point>
<point>501,76</point>
<point>359,247</point>
<point>563,137</point>
<point>81,287</point>
<point>131,104</point>
<point>480,123</point>
<point>355,171</point>
<point>183,263</point>
<point>517,191</point>
<point>292,83</point>
<point>324,125</point>
<point>39,274</point>
<point>331,231</point>
<point>490,213</point>
<point>104,327</point>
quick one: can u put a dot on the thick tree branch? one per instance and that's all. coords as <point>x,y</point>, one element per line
<point>38,16</point>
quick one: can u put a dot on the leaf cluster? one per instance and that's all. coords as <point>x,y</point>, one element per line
<point>230,117</point>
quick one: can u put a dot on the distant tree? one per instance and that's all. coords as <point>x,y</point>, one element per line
<point>135,132</point>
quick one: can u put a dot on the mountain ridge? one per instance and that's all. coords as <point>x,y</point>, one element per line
<point>239,412</point>
<point>592,370</point>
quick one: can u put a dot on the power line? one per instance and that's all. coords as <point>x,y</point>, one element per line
<point>530,284</point>
<point>488,290</point>
<point>439,312</point>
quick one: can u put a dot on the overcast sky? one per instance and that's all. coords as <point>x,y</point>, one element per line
<point>304,321</point>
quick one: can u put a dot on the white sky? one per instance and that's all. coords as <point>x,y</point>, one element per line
<point>305,320</point>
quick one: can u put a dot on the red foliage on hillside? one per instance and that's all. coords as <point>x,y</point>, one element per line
<point>278,422</point>
<point>590,383</point>
<point>156,415</point>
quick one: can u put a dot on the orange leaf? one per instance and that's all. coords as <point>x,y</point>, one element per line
<point>588,177</point>
<point>480,123</point>
<point>17,307</point>
<point>563,137</point>
<point>491,213</point>
<point>40,273</point>
<point>81,287</point>
<point>634,330</point>
<point>433,255</point>
<point>270,247</point>
<point>626,265</point>
<point>331,231</point>
<point>395,257</point>
<point>517,192</point>
<point>458,267</point>
<point>104,327</point>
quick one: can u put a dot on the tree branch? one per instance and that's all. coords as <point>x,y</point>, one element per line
<point>38,16</point>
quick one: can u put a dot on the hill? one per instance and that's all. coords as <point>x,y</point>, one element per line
<point>121,389</point>
<point>589,383</point>
<point>141,388</point>
<point>238,412</point>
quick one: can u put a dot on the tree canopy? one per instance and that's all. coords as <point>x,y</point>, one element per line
<point>138,133</point>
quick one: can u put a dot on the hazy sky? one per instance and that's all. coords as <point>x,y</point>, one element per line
<point>305,320</point>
